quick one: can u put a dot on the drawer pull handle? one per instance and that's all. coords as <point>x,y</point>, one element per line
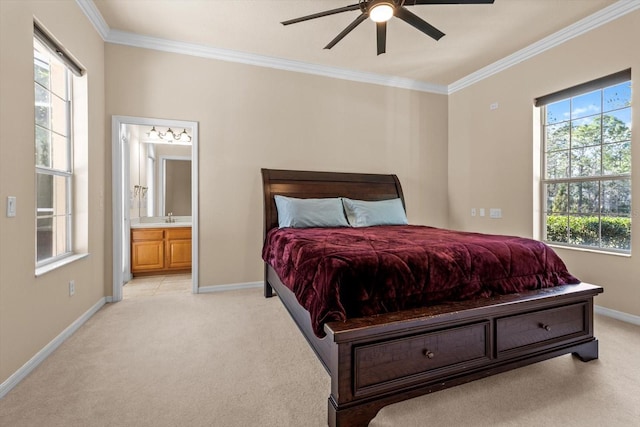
<point>429,354</point>
<point>545,327</point>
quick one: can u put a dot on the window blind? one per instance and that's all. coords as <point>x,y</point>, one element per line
<point>57,50</point>
<point>610,80</point>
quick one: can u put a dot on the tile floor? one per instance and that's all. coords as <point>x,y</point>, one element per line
<point>157,285</point>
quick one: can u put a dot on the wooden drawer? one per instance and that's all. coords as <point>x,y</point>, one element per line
<point>178,233</point>
<point>146,234</point>
<point>541,327</point>
<point>401,361</point>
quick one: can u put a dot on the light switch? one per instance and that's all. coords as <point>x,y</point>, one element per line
<point>481,211</point>
<point>11,206</point>
<point>473,211</point>
<point>495,213</point>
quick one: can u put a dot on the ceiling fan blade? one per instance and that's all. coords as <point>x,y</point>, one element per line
<point>381,32</point>
<point>418,23</point>
<point>321,14</point>
<point>414,2</point>
<point>347,30</point>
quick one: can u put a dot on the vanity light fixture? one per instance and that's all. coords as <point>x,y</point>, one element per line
<point>169,136</point>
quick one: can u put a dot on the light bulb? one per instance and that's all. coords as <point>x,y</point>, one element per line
<point>184,136</point>
<point>381,12</point>
<point>153,133</point>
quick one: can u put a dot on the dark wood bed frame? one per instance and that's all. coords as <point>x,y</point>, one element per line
<point>380,360</point>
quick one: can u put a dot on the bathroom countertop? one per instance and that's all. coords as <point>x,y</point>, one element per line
<point>161,224</point>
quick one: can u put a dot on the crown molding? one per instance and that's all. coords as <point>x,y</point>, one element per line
<point>614,11</point>
<point>95,17</point>
<point>136,40</point>
<point>587,24</point>
<point>203,51</point>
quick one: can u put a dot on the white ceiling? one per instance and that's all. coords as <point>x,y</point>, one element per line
<point>476,35</point>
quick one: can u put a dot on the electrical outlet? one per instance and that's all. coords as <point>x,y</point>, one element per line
<point>72,287</point>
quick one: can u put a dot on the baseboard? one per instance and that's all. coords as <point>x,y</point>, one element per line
<point>618,315</point>
<point>40,356</point>
<point>231,287</point>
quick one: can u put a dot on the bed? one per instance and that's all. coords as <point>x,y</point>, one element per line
<point>378,359</point>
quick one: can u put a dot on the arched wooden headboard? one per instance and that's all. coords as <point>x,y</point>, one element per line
<point>310,184</point>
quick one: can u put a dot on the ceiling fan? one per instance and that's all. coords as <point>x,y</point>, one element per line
<point>380,11</point>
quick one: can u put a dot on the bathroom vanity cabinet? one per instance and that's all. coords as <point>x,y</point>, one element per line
<point>160,250</point>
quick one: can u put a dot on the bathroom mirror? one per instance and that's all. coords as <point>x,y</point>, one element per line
<point>160,176</point>
<point>174,186</point>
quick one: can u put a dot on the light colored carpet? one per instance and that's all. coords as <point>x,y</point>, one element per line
<point>237,359</point>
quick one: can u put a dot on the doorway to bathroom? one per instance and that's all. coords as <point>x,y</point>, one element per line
<point>155,203</point>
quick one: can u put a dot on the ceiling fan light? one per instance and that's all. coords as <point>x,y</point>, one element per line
<point>381,11</point>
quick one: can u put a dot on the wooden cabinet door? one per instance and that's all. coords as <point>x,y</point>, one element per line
<point>147,255</point>
<point>178,248</point>
<point>179,253</point>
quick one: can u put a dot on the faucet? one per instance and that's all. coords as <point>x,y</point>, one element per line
<point>170,217</point>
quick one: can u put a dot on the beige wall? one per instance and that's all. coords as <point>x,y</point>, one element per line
<point>491,151</point>
<point>33,311</point>
<point>251,117</point>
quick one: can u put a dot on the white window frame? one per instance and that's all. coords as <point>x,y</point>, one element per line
<point>55,53</point>
<point>569,94</point>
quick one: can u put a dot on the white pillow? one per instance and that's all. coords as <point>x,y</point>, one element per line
<point>361,213</point>
<point>304,213</point>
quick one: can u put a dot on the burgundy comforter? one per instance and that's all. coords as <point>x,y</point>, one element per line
<point>340,273</point>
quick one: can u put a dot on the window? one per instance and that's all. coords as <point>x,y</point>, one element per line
<point>586,164</point>
<point>53,149</point>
